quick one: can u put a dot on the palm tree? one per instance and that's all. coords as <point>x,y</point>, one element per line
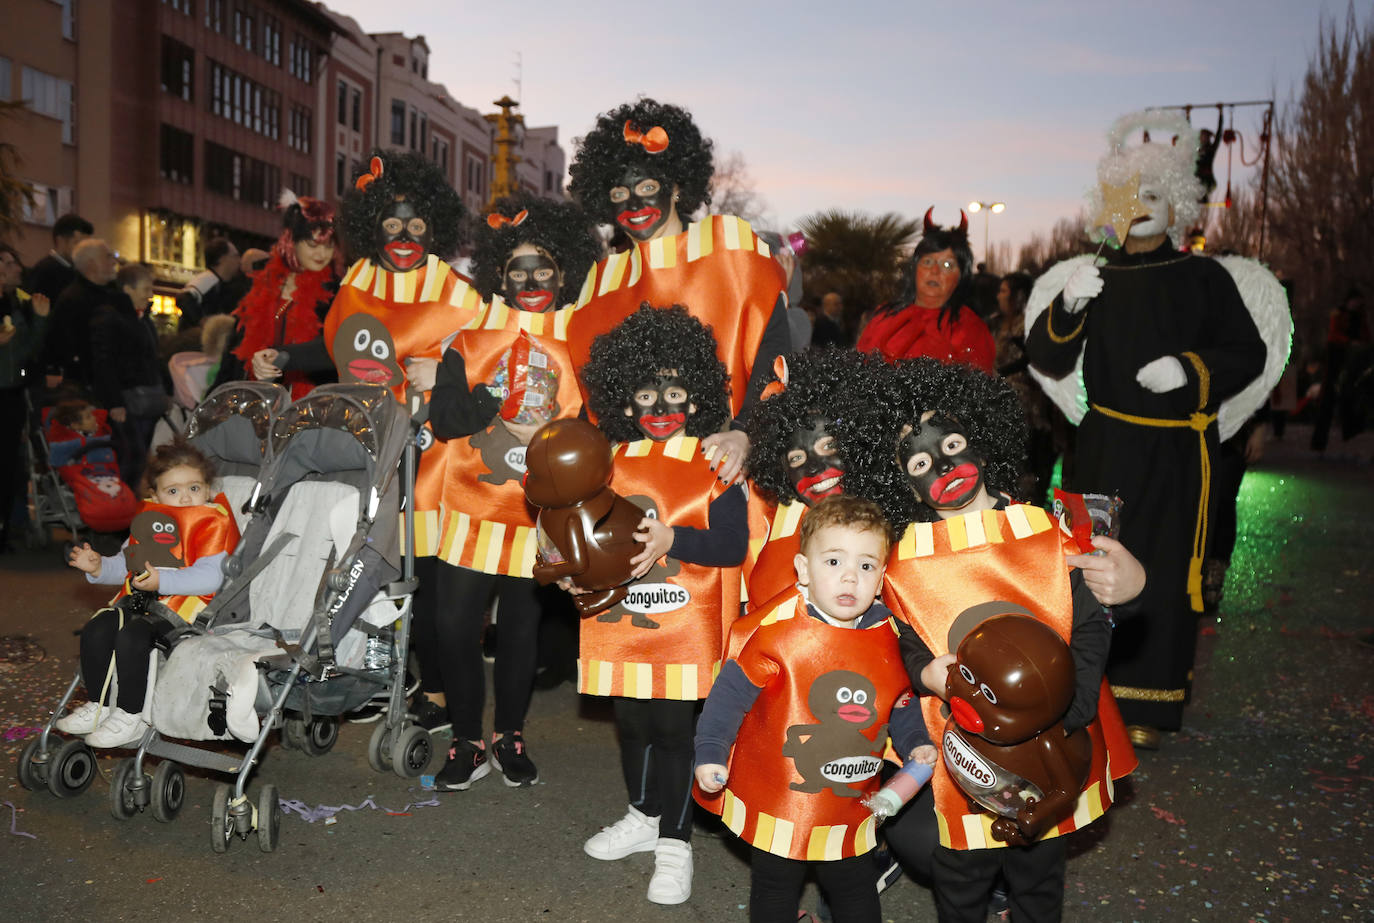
<point>860,256</point>
<point>14,192</point>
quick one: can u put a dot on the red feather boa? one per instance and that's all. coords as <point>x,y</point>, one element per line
<point>258,309</point>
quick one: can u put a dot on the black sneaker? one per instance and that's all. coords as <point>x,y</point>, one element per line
<point>430,716</point>
<point>512,760</point>
<point>467,762</point>
<point>888,868</point>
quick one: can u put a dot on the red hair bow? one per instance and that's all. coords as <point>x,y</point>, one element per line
<point>374,172</point>
<point>654,141</point>
<point>496,219</point>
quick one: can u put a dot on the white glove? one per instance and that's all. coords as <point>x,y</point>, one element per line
<point>1083,285</point>
<point>1164,374</point>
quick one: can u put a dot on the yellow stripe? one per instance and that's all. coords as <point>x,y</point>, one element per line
<point>561,318</point>
<point>762,247</point>
<point>1016,518</point>
<point>379,284</point>
<point>522,548</point>
<point>691,684</point>
<point>973,525</point>
<point>672,681</point>
<point>816,844</point>
<point>973,831</point>
<point>944,830</point>
<point>354,271</point>
<point>465,298</point>
<point>1039,520</point>
<point>733,813</point>
<point>459,531</point>
<point>497,312</point>
<point>639,448</point>
<point>866,837</point>
<point>588,286</point>
<point>636,267</point>
<point>680,448</point>
<point>694,242</point>
<point>604,676</point>
<point>925,539</point>
<point>365,275</point>
<point>731,226</point>
<point>958,535</point>
<point>708,230</point>
<point>781,843</point>
<point>906,548</point>
<point>791,518</point>
<point>434,279</point>
<point>992,528</point>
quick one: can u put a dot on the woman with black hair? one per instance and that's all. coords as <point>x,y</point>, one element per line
<point>645,169</point>
<point>933,315</point>
<point>657,388</point>
<point>500,380</point>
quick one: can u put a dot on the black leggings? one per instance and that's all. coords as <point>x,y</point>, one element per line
<point>775,887</point>
<point>656,757</point>
<point>1034,875</point>
<point>129,639</point>
<point>460,597</point>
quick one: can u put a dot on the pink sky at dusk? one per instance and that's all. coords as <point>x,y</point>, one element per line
<point>879,106</point>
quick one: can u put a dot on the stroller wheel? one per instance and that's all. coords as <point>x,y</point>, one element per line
<point>33,774</point>
<point>221,824</point>
<point>123,803</point>
<point>71,769</point>
<point>379,748</point>
<point>269,818</point>
<point>318,736</point>
<point>169,792</point>
<point>410,751</point>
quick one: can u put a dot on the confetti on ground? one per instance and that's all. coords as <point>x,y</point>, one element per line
<point>14,821</point>
<point>326,812</point>
<point>1167,816</point>
<point>19,733</point>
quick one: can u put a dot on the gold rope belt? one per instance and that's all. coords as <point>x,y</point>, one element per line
<point>1200,423</point>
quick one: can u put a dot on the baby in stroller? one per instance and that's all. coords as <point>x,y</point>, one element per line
<point>169,567</point>
<point>78,438</point>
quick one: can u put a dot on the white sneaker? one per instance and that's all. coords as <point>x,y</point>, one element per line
<point>121,729</point>
<point>83,719</point>
<point>672,881</point>
<point>633,833</point>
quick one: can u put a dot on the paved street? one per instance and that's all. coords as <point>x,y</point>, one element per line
<point>1259,811</point>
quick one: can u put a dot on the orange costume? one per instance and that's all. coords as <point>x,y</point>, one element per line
<point>418,310</point>
<point>811,746</point>
<point>772,548</point>
<point>203,530</point>
<point>717,268</point>
<point>487,524</point>
<point>664,640</point>
<point>944,578</point>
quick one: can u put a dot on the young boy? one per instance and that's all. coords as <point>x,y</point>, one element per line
<point>804,712</point>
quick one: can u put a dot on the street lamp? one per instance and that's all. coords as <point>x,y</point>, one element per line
<point>988,209</point>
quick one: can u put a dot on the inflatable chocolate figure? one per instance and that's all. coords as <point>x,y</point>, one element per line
<point>585,528</point>
<point>1005,745</point>
<point>152,536</point>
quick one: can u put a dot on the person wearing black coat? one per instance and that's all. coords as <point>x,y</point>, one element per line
<point>123,348</point>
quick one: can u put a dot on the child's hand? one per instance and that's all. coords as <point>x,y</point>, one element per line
<point>727,453</point>
<point>147,580</point>
<point>925,753</point>
<point>85,559</point>
<point>935,675</point>
<point>1114,575</point>
<point>657,537</point>
<point>711,777</point>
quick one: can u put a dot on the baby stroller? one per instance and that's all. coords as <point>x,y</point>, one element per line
<point>313,623</point>
<point>49,452</point>
<point>233,427</point>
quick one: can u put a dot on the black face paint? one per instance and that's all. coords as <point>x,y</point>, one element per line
<point>643,203</point>
<point>661,407</point>
<point>531,282</point>
<point>943,471</point>
<point>812,463</point>
<point>404,238</point>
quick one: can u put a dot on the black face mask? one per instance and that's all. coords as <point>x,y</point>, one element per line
<point>661,407</point>
<point>942,470</point>
<point>642,203</point>
<point>531,282</point>
<point>812,463</point>
<point>404,238</point>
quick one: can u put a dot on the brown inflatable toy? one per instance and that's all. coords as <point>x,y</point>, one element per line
<point>585,529</point>
<point>1005,744</point>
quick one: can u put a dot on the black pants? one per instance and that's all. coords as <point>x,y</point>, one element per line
<point>775,887</point>
<point>129,640</point>
<point>1034,876</point>
<point>913,834</point>
<point>460,599</point>
<point>656,757</point>
<point>131,442</point>
<point>12,414</point>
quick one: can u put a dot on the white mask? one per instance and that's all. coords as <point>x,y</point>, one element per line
<point>1152,197</point>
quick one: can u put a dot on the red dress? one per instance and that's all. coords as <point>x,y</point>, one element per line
<point>916,331</point>
<point>267,319</point>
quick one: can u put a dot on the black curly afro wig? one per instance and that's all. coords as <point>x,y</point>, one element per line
<point>559,228</point>
<point>833,384</point>
<point>633,352</point>
<point>422,183</point>
<point>934,240</point>
<point>985,406</point>
<point>603,156</point>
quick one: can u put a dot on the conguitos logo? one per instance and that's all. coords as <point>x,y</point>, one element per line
<point>656,598</point>
<point>851,768</point>
<point>962,760</point>
<point>515,458</point>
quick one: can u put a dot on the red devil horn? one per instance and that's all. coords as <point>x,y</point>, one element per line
<point>963,222</point>
<point>929,224</point>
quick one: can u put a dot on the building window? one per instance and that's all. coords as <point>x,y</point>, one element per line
<point>301,59</point>
<point>299,129</point>
<point>214,16</point>
<point>357,100</point>
<point>245,26</point>
<point>424,134</point>
<point>6,87</point>
<point>475,171</point>
<point>271,39</point>
<point>47,95</point>
<point>414,123</point>
<point>343,103</point>
<point>69,18</point>
<point>340,174</point>
<point>244,102</point>
<point>301,185</point>
<point>177,68</point>
<point>398,122</point>
<point>241,177</point>
<point>176,154</point>
<point>184,7</point>
<point>47,203</point>
<point>441,154</point>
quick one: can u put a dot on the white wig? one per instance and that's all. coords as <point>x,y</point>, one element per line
<point>1167,160</point>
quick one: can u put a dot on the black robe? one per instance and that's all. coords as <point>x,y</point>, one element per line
<point>1161,303</point>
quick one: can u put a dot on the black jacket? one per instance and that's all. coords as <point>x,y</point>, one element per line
<point>124,350</point>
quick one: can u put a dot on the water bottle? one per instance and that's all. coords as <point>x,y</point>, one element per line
<point>377,655</point>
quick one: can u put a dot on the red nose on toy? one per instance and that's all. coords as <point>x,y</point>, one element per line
<point>965,715</point>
